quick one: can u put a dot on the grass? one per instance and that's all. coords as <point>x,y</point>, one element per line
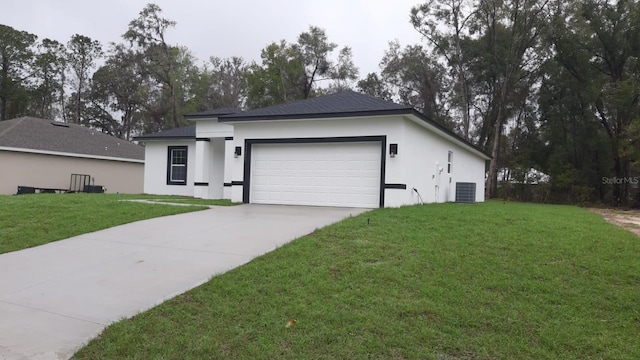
<point>445,281</point>
<point>179,199</point>
<point>37,219</point>
<point>194,201</point>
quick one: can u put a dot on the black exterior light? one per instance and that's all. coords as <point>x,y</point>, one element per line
<point>393,150</point>
<point>238,151</point>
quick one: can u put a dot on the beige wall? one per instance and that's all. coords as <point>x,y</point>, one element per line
<point>53,171</point>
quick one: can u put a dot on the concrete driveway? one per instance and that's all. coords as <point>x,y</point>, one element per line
<point>56,297</point>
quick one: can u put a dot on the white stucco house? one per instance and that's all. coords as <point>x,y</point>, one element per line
<point>344,149</point>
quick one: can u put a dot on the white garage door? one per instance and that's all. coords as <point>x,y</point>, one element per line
<point>318,174</point>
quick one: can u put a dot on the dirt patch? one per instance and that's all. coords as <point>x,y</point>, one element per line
<point>629,220</point>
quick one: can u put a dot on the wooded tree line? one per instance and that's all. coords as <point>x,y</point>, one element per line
<point>548,85</point>
<point>144,84</point>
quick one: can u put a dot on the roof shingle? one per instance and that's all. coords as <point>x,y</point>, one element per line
<point>211,113</point>
<point>340,104</point>
<point>46,135</point>
<point>185,132</point>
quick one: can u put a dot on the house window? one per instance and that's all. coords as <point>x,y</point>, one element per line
<point>449,161</point>
<point>177,165</point>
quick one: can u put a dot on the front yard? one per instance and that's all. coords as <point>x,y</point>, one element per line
<point>444,281</point>
<point>37,219</point>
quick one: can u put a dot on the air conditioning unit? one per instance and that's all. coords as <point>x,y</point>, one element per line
<point>465,192</point>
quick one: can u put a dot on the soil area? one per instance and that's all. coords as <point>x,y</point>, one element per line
<point>629,220</point>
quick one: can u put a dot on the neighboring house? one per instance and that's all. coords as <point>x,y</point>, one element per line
<point>522,176</point>
<point>43,153</point>
<point>344,149</point>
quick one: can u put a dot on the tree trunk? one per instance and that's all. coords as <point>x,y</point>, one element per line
<point>4,84</point>
<point>3,108</point>
<point>492,178</point>
<point>62,83</point>
<point>78,107</point>
<point>462,79</point>
<point>618,186</point>
<point>466,121</point>
<point>78,99</point>
<point>174,106</point>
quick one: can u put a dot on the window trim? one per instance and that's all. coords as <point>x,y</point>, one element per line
<point>170,164</point>
<point>449,161</point>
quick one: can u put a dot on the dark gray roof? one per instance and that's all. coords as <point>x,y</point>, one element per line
<point>185,132</point>
<point>340,104</point>
<point>46,135</point>
<point>211,113</point>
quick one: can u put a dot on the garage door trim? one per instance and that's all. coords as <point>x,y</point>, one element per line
<point>248,143</point>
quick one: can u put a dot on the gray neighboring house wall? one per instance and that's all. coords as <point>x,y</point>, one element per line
<point>44,153</point>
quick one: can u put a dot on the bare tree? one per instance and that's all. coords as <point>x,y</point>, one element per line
<point>82,55</point>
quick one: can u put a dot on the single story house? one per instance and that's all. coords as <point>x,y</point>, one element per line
<point>44,154</point>
<point>344,149</point>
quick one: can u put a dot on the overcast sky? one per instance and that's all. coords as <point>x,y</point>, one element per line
<point>226,28</point>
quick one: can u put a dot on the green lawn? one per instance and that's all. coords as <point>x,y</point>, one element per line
<point>179,199</point>
<point>445,281</point>
<point>36,219</point>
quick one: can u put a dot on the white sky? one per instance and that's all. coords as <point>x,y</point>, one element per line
<point>226,28</point>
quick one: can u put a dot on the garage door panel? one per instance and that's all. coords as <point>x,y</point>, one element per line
<point>325,174</point>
